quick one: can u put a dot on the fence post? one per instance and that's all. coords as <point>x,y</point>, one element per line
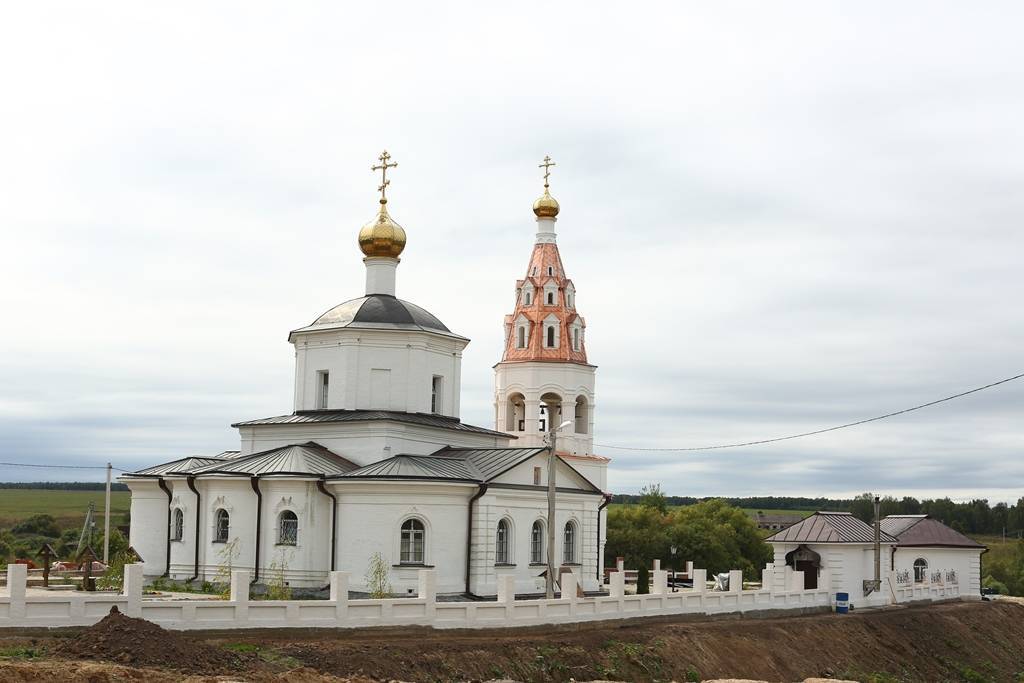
<point>506,588</point>
<point>620,564</point>
<point>617,584</point>
<point>240,593</point>
<point>17,576</point>
<point>735,581</point>
<point>660,586</point>
<point>131,588</point>
<point>569,583</point>
<point>339,594</point>
<point>657,565</point>
<point>796,581</point>
<point>427,591</point>
<point>700,580</point>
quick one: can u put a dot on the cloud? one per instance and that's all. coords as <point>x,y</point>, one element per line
<point>777,219</point>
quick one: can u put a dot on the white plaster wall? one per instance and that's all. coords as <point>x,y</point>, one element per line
<point>533,379</point>
<point>596,471</point>
<point>235,495</point>
<point>412,358</point>
<point>148,532</point>
<point>844,568</point>
<point>183,551</point>
<point>365,442</point>
<point>370,515</point>
<point>522,508</point>
<point>307,563</point>
<point>965,561</point>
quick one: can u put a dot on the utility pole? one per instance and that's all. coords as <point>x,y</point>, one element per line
<point>549,585</point>
<point>106,522</point>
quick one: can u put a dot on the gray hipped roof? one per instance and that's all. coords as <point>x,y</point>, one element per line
<point>308,459</point>
<point>477,465</point>
<point>829,527</point>
<point>331,416</point>
<point>923,531</point>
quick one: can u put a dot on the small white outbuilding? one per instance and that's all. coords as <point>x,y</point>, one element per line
<point>929,552</point>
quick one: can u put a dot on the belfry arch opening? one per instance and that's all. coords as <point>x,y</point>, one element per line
<point>582,415</point>
<point>515,413</point>
<point>550,411</point>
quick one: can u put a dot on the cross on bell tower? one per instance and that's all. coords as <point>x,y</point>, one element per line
<point>383,167</point>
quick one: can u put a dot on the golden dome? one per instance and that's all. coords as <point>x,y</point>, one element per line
<point>546,206</point>
<point>382,236</point>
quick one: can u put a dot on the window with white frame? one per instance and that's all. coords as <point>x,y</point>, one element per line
<point>575,339</point>
<point>551,270</point>
<point>537,543</point>
<point>526,298</point>
<point>569,544</point>
<point>413,542</point>
<point>521,337</point>
<point>323,385</point>
<point>287,528</point>
<point>502,544</point>
<point>222,527</point>
<point>178,528</point>
<point>551,298</point>
<point>550,341</point>
<point>536,476</point>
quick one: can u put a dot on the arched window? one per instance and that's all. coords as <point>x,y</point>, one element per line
<point>502,544</point>
<point>527,299</point>
<point>551,336</point>
<point>413,542</point>
<point>920,569</point>
<point>287,528</point>
<point>178,525</point>
<point>521,338</point>
<point>551,270</point>
<point>551,298</point>
<point>220,534</point>
<point>569,546</point>
<point>537,543</point>
<point>576,339</point>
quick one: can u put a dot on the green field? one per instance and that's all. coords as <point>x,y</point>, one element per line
<point>67,507</point>
<point>749,511</point>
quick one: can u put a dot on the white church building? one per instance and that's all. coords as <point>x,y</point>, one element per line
<point>374,459</point>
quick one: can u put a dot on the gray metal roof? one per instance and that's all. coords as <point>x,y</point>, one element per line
<point>378,311</point>
<point>422,419</point>
<point>923,531</point>
<point>894,525</point>
<point>183,465</point>
<point>454,464</point>
<point>829,527</point>
<point>308,459</point>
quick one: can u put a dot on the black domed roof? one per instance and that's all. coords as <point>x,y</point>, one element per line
<point>379,311</point>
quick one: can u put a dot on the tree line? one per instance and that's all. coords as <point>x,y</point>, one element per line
<point>974,517</point>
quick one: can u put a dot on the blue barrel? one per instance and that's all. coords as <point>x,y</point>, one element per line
<point>842,603</point>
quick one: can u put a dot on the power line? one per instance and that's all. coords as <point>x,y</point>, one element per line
<point>61,467</point>
<point>818,431</point>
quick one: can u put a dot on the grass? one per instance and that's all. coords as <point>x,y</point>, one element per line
<point>749,511</point>
<point>67,507</point>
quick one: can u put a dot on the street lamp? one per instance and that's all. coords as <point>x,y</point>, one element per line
<point>552,437</point>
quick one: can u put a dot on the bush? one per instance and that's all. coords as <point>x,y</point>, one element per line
<point>643,581</point>
<point>999,586</point>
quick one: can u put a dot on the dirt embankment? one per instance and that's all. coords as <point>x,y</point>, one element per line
<point>950,642</point>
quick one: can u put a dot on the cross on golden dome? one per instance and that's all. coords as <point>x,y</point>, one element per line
<point>383,168</point>
<point>547,168</point>
<point>546,206</point>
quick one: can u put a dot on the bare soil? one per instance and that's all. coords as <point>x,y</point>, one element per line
<point>973,642</point>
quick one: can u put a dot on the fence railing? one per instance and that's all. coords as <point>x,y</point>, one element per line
<point>338,611</point>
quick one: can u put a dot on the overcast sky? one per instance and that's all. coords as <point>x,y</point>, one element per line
<point>778,216</point>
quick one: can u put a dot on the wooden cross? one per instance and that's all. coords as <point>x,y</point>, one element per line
<point>547,169</point>
<point>47,554</point>
<point>383,168</point>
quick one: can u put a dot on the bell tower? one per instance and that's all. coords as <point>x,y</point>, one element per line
<point>544,377</point>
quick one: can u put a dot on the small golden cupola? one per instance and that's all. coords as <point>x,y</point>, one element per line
<point>383,237</point>
<point>546,206</point>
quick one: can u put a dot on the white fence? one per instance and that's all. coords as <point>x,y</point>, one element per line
<point>17,610</point>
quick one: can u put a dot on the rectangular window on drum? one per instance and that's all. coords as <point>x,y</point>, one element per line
<point>323,389</point>
<point>436,386</point>
<point>536,476</point>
